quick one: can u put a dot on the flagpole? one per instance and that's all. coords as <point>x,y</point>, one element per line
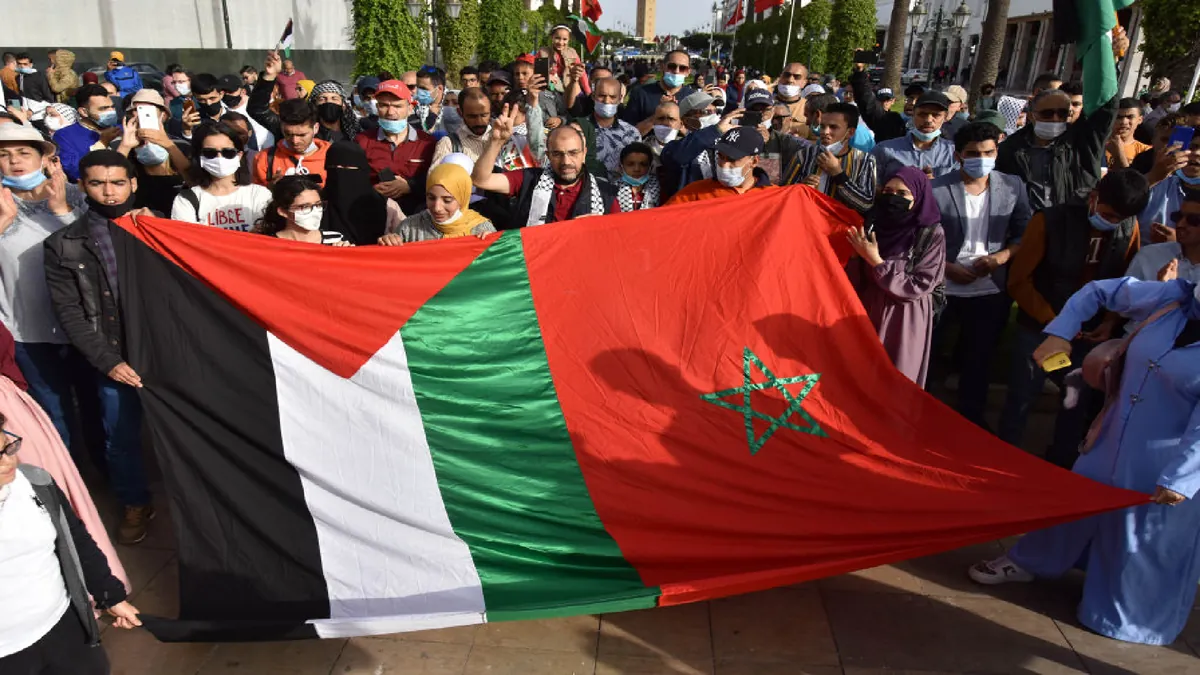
<point>1195,78</point>
<point>787,41</point>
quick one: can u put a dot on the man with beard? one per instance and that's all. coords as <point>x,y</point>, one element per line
<point>564,191</point>
<point>473,135</point>
<point>789,92</point>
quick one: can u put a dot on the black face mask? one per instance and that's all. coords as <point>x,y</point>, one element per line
<point>111,211</point>
<point>329,112</point>
<point>209,110</point>
<point>231,100</point>
<point>891,207</point>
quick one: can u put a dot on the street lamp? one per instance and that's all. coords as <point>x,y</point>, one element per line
<point>956,22</point>
<point>915,15</point>
<point>418,7</point>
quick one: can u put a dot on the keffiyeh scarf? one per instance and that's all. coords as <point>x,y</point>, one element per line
<point>541,202</point>
<point>650,192</point>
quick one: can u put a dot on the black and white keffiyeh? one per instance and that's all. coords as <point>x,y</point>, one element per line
<point>542,199</point>
<point>650,192</point>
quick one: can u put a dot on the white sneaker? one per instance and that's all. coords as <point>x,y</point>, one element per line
<point>1002,570</point>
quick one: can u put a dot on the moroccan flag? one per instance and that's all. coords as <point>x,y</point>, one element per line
<point>636,410</point>
<point>286,41</point>
<point>736,14</point>
<point>586,32</point>
<point>761,6</point>
<point>591,10</point>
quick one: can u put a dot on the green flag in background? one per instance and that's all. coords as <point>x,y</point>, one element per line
<point>1097,18</point>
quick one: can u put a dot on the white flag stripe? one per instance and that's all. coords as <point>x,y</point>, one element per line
<point>387,546</point>
<point>344,628</point>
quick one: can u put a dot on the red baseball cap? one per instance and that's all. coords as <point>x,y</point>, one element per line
<point>395,88</point>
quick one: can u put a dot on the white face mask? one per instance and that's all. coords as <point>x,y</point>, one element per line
<point>836,147</point>
<point>183,88</point>
<point>454,217</point>
<point>1048,131</point>
<point>1173,108</point>
<point>309,221</point>
<point>731,176</point>
<point>709,120</point>
<point>788,90</point>
<point>54,123</point>
<point>220,167</point>
<point>664,133</point>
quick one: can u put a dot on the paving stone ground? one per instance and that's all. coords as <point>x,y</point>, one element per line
<point>919,617</point>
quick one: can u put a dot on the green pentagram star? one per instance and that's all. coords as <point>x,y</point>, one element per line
<point>780,383</point>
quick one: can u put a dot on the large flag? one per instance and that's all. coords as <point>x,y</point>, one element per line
<point>591,10</point>
<point>761,6</point>
<point>735,11</point>
<point>643,409</point>
<point>587,33</point>
<point>1097,18</point>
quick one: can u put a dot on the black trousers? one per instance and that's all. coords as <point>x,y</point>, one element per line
<point>62,651</point>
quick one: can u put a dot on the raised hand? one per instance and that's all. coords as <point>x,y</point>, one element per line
<point>8,209</point>
<point>272,65</point>
<point>57,186</point>
<point>502,126</point>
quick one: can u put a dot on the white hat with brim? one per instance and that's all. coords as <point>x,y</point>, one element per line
<point>23,133</point>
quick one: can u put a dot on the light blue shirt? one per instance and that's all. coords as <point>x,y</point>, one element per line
<point>1165,199</point>
<point>1148,261</point>
<point>897,152</point>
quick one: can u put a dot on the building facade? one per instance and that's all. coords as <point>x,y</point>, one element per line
<point>645,18</point>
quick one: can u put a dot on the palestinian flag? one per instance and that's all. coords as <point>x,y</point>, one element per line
<point>643,409</point>
<point>286,41</point>
<point>736,13</point>
<point>586,32</point>
<point>1094,49</point>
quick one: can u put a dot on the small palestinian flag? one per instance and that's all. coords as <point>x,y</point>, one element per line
<point>286,41</point>
<point>586,32</point>
<point>586,417</point>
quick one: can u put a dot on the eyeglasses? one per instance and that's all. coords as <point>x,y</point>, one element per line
<point>677,68</point>
<point>1053,113</point>
<point>306,209</point>
<point>11,447</point>
<point>1190,219</point>
<point>211,153</point>
<point>563,154</point>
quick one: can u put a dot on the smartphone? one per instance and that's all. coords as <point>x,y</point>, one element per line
<point>751,118</point>
<point>865,56</point>
<point>542,67</point>
<point>16,103</point>
<point>1056,362</point>
<point>1182,136</point>
<point>189,107</point>
<point>147,117</point>
<point>386,175</point>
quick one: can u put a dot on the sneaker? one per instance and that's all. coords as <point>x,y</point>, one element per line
<point>1002,570</point>
<point>134,524</point>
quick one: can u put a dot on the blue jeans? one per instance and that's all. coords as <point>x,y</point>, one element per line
<point>1025,382</point>
<point>47,369</point>
<point>121,411</point>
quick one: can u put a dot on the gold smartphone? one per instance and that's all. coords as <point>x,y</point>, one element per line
<point>1056,362</point>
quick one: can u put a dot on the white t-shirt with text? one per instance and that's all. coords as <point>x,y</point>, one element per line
<point>238,210</point>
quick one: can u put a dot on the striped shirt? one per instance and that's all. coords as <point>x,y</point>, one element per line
<point>854,187</point>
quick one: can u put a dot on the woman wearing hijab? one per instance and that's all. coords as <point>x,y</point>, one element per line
<point>900,266</point>
<point>354,208</point>
<point>1142,563</point>
<point>447,192</point>
<point>43,447</point>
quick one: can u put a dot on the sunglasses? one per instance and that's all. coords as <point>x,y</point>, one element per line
<point>11,447</point>
<point>1190,219</point>
<point>676,68</point>
<point>211,153</point>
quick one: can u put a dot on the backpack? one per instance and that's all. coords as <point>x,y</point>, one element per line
<point>189,195</point>
<point>924,241</point>
<point>127,80</point>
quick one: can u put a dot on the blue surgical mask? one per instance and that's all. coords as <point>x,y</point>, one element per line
<point>1187,179</point>
<point>24,182</point>
<point>424,96</point>
<point>27,71</point>
<point>606,111</point>
<point>107,119</point>
<point>926,137</point>
<point>674,80</point>
<point>1101,224</point>
<point>151,154</point>
<point>815,129</point>
<point>962,116</point>
<point>635,182</point>
<point>393,126</point>
<point>905,116</point>
<point>978,167</point>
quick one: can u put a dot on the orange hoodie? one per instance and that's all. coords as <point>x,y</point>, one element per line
<point>285,159</point>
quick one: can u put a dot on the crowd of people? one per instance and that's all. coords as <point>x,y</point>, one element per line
<point>965,211</point>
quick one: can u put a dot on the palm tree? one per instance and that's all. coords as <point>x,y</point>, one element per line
<point>893,54</point>
<point>991,46</point>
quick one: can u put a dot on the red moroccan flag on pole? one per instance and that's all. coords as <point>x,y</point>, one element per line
<point>761,6</point>
<point>591,9</point>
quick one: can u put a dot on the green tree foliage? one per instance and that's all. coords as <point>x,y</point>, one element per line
<point>385,37</point>
<point>767,54</point>
<point>852,26</point>
<point>500,36</point>
<point>457,37</point>
<point>1172,38</point>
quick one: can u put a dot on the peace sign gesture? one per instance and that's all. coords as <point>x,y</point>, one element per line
<point>502,126</point>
